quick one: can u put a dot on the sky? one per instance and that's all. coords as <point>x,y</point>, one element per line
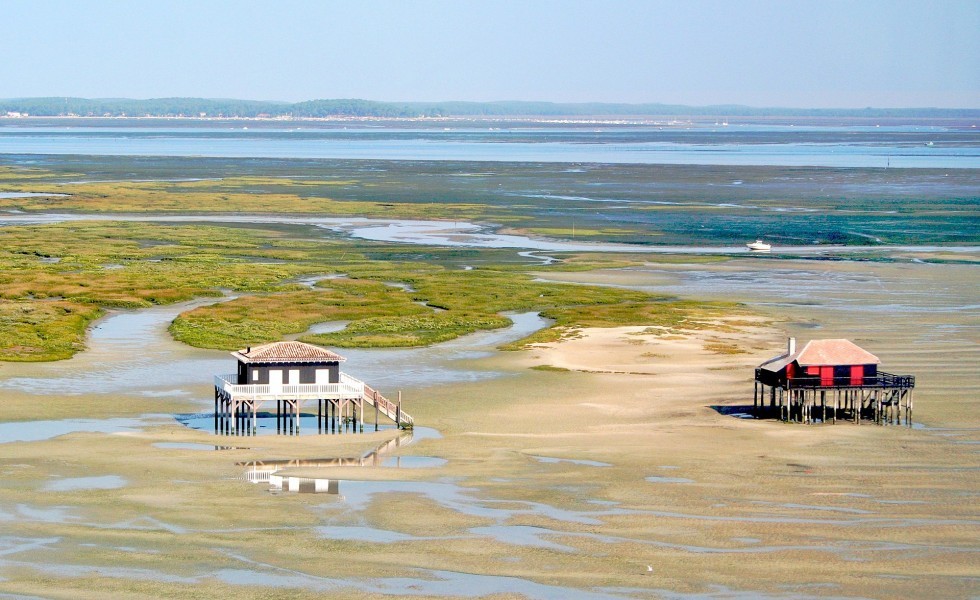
<point>765,53</point>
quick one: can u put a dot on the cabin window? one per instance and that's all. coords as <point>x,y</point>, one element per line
<point>294,377</point>
<point>255,375</point>
<point>813,371</point>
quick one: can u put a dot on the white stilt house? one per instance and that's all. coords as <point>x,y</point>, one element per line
<point>291,374</point>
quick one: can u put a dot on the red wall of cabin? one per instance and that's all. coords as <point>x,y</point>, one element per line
<point>832,375</point>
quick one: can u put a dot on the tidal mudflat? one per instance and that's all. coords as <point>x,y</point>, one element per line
<point>597,464</point>
<point>617,481</point>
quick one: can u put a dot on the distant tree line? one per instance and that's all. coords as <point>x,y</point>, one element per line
<point>197,107</point>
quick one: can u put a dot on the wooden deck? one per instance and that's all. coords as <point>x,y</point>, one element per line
<point>340,406</point>
<point>884,398</point>
<point>881,380</point>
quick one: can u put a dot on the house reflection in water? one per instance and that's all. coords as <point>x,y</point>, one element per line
<point>268,471</point>
<point>304,485</point>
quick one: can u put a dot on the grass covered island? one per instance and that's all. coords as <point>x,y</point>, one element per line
<point>58,278</point>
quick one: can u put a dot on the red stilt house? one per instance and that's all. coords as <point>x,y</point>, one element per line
<point>839,367</point>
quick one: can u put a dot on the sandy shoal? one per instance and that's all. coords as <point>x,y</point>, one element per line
<point>593,464</point>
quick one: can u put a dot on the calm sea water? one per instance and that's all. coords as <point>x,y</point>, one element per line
<point>924,147</point>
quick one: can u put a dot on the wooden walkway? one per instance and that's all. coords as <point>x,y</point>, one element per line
<point>340,406</point>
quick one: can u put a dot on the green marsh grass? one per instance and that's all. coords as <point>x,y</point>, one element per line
<point>43,330</point>
<point>408,331</point>
<point>661,204</point>
<point>103,265</point>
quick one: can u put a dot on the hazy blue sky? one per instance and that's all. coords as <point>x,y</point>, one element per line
<point>848,53</point>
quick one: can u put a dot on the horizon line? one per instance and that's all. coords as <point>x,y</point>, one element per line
<point>498,102</point>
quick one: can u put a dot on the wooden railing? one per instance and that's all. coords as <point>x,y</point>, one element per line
<point>348,388</point>
<point>881,380</point>
<point>389,408</point>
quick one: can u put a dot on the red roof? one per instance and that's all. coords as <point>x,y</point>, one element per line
<point>286,352</point>
<point>825,353</point>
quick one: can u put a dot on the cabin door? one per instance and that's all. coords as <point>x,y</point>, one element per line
<point>275,378</point>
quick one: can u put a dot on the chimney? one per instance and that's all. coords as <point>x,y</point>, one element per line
<point>791,346</point>
<point>249,349</point>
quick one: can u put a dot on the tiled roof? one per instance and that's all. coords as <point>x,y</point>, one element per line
<point>824,353</point>
<point>287,352</point>
<point>835,352</point>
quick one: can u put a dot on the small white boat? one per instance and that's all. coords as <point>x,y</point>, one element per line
<point>758,245</point>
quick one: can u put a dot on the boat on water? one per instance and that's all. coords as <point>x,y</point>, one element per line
<point>758,245</point>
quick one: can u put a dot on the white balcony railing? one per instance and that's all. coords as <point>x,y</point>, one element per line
<point>348,387</point>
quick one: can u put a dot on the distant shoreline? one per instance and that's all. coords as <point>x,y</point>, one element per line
<point>510,121</point>
<point>343,109</point>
